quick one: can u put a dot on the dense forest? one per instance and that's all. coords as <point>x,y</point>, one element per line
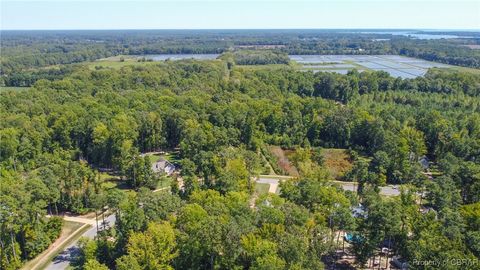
<point>25,53</point>
<point>59,134</point>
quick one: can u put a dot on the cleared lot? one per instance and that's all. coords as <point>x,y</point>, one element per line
<point>395,65</point>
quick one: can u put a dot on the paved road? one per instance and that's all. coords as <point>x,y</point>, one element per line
<point>62,261</point>
<point>389,190</point>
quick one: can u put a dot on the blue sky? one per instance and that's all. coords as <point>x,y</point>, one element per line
<point>231,14</point>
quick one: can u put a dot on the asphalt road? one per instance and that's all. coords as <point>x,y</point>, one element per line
<point>62,261</point>
<point>386,190</point>
<point>389,190</point>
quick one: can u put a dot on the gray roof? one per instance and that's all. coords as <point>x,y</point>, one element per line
<point>161,164</point>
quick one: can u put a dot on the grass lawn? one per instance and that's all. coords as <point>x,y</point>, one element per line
<point>261,188</point>
<point>165,183</point>
<point>173,157</point>
<point>154,157</point>
<point>111,181</point>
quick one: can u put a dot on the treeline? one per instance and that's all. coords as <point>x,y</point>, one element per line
<point>23,51</point>
<point>256,57</point>
<point>452,53</point>
<point>220,116</point>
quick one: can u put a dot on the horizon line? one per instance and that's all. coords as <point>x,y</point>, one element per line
<point>199,29</point>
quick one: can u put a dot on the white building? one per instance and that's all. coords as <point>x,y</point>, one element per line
<point>163,166</point>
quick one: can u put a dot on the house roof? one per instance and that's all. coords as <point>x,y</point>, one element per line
<point>161,164</point>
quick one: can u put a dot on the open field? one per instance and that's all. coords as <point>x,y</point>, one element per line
<point>116,63</point>
<point>395,65</point>
<point>119,61</point>
<point>174,57</point>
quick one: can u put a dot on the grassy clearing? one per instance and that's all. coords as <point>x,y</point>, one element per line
<point>337,162</point>
<point>116,62</point>
<point>111,181</point>
<point>261,188</point>
<point>164,182</point>
<point>173,157</point>
<point>154,157</point>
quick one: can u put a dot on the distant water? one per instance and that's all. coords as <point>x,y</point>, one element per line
<point>395,65</point>
<point>173,57</point>
<point>413,34</point>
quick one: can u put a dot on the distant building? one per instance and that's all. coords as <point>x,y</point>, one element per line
<point>424,162</point>
<point>163,166</point>
<point>359,211</point>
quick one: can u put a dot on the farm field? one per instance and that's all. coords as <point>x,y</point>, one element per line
<point>395,65</point>
<point>173,57</point>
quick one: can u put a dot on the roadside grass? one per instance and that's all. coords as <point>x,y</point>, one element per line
<point>68,228</point>
<point>75,237</point>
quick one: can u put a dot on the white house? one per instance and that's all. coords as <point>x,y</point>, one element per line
<point>163,165</point>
